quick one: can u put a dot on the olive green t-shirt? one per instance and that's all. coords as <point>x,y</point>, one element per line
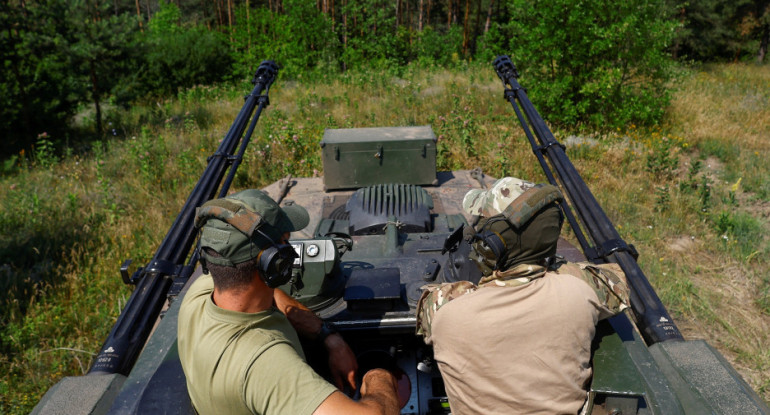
<point>244,363</point>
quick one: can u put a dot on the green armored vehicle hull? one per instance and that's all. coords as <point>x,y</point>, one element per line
<point>380,219</point>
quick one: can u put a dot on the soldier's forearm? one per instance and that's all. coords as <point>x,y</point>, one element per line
<point>304,321</point>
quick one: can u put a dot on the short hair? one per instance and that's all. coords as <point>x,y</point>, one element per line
<point>227,278</point>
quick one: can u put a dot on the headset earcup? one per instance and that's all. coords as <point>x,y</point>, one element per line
<point>275,265</point>
<point>494,242</point>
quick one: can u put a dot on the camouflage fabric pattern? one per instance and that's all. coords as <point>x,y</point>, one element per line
<point>233,212</point>
<point>491,202</point>
<point>238,226</point>
<point>607,280</point>
<point>518,275</point>
<point>433,297</point>
<point>529,203</point>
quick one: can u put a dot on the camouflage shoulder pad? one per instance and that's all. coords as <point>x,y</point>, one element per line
<point>434,296</point>
<point>607,280</point>
<point>524,207</point>
<point>229,212</point>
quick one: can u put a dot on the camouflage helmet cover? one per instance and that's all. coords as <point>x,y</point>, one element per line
<point>493,201</point>
<point>522,214</point>
<point>239,226</point>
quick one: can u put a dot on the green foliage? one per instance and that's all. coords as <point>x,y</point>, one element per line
<point>739,232</point>
<point>45,156</point>
<point>372,40</point>
<point>691,182</point>
<point>167,20</point>
<point>721,30</point>
<point>764,296</point>
<point>662,198</point>
<point>704,194</point>
<point>598,62</point>
<point>39,91</point>
<point>298,40</point>
<point>9,164</point>
<point>435,48</point>
<point>662,159</point>
<point>176,59</point>
<point>724,150</point>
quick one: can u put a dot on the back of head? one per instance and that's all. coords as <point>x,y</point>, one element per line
<point>237,229</point>
<point>520,223</point>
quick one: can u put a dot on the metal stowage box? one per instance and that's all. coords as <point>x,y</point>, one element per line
<point>359,157</point>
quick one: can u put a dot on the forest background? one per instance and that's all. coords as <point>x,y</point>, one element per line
<point>109,108</point>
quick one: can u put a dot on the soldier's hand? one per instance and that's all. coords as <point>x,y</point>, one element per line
<point>342,362</point>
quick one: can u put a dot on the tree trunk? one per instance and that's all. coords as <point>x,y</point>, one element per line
<point>398,13</point>
<point>230,19</point>
<point>95,94</point>
<point>419,17</point>
<point>139,16</point>
<point>489,16</point>
<point>408,17</point>
<point>465,27</point>
<point>476,27</point>
<point>427,13</point>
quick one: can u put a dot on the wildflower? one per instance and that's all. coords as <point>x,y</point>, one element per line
<point>737,185</point>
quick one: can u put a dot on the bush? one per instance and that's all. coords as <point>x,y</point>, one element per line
<point>298,40</point>
<point>595,62</point>
<point>185,59</point>
<point>439,48</point>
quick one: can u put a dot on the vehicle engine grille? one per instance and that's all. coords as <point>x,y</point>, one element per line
<point>372,208</point>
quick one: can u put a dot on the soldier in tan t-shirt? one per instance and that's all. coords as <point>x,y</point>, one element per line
<point>519,341</point>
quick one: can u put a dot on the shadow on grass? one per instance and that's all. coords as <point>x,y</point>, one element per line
<point>33,261</point>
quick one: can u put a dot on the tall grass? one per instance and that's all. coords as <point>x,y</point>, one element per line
<point>691,194</point>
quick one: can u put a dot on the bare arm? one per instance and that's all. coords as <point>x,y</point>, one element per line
<point>379,396</point>
<point>342,361</point>
<point>303,320</point>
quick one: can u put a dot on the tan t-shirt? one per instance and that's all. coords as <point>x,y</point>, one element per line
<point>243,363</point>
<point>519,346</point>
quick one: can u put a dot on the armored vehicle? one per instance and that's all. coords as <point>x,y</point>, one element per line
<point>383,223</point>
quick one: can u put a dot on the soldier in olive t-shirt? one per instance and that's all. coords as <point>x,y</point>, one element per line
<point>240,376</point>
<point>238,334</point>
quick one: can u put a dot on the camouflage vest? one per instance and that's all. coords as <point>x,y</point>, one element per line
<point>607,280</point>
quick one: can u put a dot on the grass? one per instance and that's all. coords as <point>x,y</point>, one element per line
<point>692,194</point>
